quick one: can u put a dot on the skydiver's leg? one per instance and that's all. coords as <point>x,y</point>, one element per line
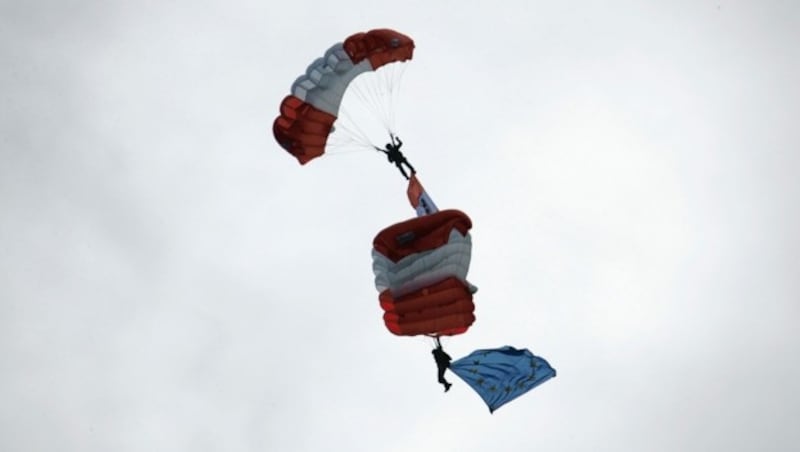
<point>402,170</point>
<point>444,382</point>
<point>440,375</point>
<point>413,171</point>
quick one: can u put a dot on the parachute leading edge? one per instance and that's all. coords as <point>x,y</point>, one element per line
<point>500,375</point>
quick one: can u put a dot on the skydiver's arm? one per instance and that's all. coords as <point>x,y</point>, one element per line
<point>399,143</point>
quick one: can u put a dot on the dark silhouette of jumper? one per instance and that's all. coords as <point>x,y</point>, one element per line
<point>442,364</point>
<point>394,155</point>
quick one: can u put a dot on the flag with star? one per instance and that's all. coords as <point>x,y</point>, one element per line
<point>500,375</point>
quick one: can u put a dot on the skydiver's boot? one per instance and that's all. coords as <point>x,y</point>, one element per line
<point>447,386</point>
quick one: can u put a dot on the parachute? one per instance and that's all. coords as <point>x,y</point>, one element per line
<point>420,268</point>
<point>501,375</point>
<point>307,115</point>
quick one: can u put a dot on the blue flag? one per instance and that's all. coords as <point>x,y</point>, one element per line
<point>500,375</point>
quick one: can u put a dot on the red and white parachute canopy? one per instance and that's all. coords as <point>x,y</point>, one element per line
<point>307,115</point>
<point>420,268</point>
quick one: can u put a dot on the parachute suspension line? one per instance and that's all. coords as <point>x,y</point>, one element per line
<point>388,75</point>
<point>345,144</point>
<point>393,82</point>
<point>373,98</point>
<point>349,151</point>
<point>377,92</point>
<point>351,127</point>
<point>388,82</point>
<point>382,102</point>
<point>366,89</point>
<point>423,339</point>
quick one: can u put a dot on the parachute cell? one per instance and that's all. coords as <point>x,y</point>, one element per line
<point>308,113</point>
<point>502,374</point>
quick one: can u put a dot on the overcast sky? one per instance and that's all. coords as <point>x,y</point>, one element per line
<point>172,280</point>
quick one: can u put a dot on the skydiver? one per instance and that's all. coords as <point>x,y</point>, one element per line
<point>442,364</point>
<point>394,155</point>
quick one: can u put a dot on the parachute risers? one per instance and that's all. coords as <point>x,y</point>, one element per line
<point>420,268</point>
<point>308,113</point>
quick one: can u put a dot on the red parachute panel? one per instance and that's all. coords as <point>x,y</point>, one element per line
<point>381,46</point>
<point>420,234</point>
<point>302,129</point>
<point>442,309</point>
